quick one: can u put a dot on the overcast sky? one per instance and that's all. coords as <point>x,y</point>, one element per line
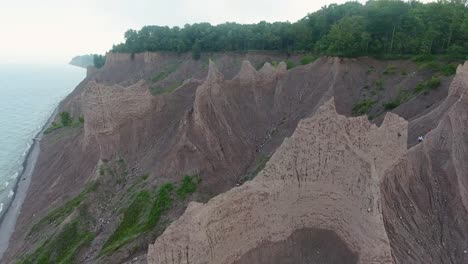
<point>56,30</point>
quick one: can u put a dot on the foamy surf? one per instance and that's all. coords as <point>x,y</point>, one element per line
<point>28,146</point>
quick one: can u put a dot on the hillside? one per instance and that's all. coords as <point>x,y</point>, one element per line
<point>83,61</point>
<point>160,130</point>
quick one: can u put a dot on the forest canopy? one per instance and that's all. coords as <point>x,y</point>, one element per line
<point>352,29</point>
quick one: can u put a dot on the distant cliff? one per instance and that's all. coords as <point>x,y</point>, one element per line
<point>82,61</point>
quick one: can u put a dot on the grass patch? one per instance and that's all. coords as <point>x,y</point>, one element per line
<point>392,104</point>
<point>61,249</point>
<point>362,107</point>
<point>160,76</point>
<point>57,215</point>
<point>144,213</point>
<point>448,69</point>
<point>290,64</point>
<point>162,203</point>
<point>166,72</point>
<point>307,59</point>
<point>66,120</point>
<point>403,96</point>
<point>379,84</point>
<point>390,70</point>
<point>426,86</point>
<point>53,126</point>
<point>442,65</point>
<point>157,90</point>
<point>188,186</point>
<point>129,228</point>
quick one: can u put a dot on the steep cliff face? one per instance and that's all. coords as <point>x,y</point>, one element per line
<point>347,181</point>
<point>426,193</point>
<point>153,118</point>
<point>326,176</point>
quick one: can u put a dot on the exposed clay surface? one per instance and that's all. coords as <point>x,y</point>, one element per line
<point>306,246</point>
<point>221,117</point>
<point>426,193</point>
<point>326,175</point>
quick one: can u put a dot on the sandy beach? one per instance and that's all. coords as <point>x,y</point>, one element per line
<point>13,209</point>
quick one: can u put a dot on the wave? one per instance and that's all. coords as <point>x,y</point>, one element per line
<point>1,207</point>
<point>28,146</point>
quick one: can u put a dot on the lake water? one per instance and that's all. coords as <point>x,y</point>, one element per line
<point>28,96</point>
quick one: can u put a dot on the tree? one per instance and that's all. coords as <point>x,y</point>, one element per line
<point>99,61</point>
<point>346,37</point>
<point>196,50</point>
<point>349,29</point>
<point>66,119</point>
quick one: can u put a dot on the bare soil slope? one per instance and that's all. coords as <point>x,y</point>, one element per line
<point>153,118</point>
<point>325,176</point>
<point>378,201</point>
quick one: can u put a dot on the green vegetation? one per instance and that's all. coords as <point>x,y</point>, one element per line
<point>99,61</point>
<point>165,72</point>
<point>426,86</point>
<point>129,226</point>
<point>392,104</point>
<point>403,96</point>
<point>448,69</point>
<point>390,70</point>
<point>188,186</point>
<point>162,203</point>
<point>160,90</point>
<point>145,212</point>
<point>362,107</point>
<point>62,248</point>
<point>307,59</point>
<point>66,120</point>
<point>379,84</point>
<point>57,215</point>
<point>441,65</point>
<point>290,64</point>
<point>384,28</point>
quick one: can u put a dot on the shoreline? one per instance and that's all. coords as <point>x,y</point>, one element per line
<point>13,208</point>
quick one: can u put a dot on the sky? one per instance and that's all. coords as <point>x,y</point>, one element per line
<point>53,31</point>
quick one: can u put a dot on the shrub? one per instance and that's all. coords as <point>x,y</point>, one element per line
<point>66,119</point>
<point>392,104</point>
<point>362,107</point>
<point>379,84</point>
<point>289,64</point>
<point>81,119</point>
<point>188,186</point>
<point>99,61</point>
<point>307,59</point>
<point>433,83</point>
<point>426,86</point>
<point>449,69</point>
<point>456,52</point>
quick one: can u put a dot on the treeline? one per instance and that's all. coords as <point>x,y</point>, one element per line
<point>351,29</point>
